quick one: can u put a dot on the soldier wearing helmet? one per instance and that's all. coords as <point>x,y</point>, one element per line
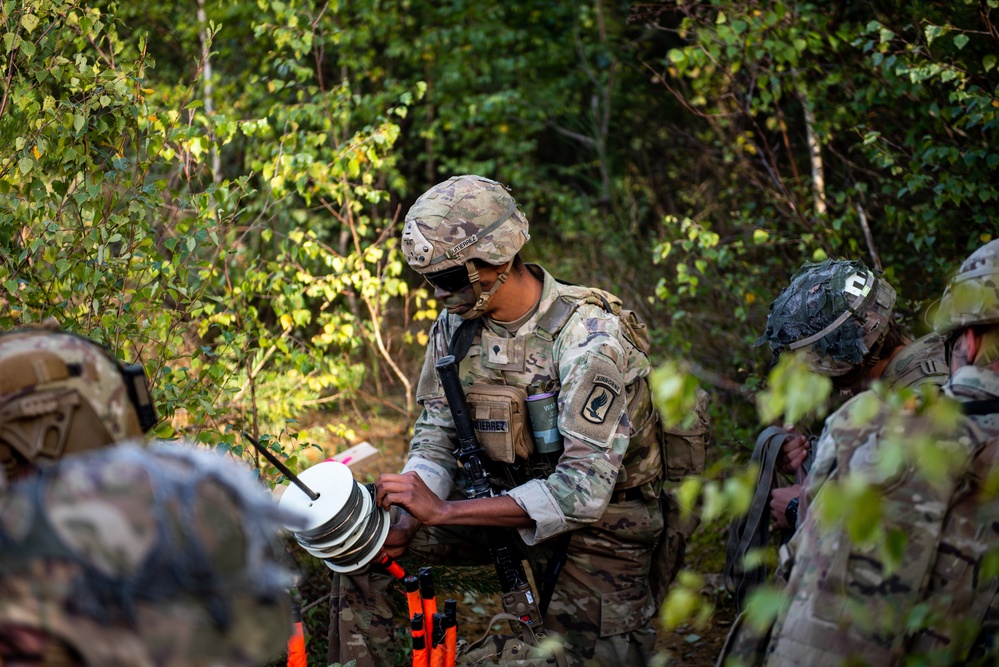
<point>839,315</point>
<point>586,486</point>
<point>931,594</point>
<point>158,557</point>
<point>60,394</point>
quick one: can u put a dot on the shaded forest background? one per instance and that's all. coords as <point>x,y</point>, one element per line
<point>216,188</point>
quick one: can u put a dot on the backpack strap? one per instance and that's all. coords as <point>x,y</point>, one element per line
<point>753,530</point>
<point>464,335</point>
<point>550,324</point>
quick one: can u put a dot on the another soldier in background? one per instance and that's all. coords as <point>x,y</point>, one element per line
<point>61,393</point>
<point>594,500</point>
<point>840,316</point>
<point>159,557</point>
<point>847,604</point>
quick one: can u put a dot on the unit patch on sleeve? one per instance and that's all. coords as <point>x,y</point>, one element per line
<point>600,400</point>
<point>594,402</point>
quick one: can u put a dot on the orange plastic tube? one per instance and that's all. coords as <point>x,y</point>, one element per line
<point>438,655</point>
<point>450,632</point>
<point>429,601</point>
<point>393,568</point>
<point>413,598</point>
<point>421,652</point>
<point>296,643</point>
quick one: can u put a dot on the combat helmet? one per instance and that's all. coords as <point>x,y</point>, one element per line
<point>465,218</point>
<point>62,393</point>
<point>838,312</point>
<point>972,296</point>
<point>156,557</point>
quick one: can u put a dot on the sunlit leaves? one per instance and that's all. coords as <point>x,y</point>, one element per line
<point>685,603</point>
<point>675,393</point>
<point>794,391</point>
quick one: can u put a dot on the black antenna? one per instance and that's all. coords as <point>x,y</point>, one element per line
<point>281,466</point>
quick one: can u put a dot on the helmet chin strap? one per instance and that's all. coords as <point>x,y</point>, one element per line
<point>482,298</point>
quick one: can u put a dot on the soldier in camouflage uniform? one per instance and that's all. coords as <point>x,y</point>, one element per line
<point>159,557</point>
<point>937,600</point>
<point>60,394</point>
<point>526,334</point>
<point>839,314</point>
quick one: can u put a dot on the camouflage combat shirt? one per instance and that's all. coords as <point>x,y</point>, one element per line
<point>921,362</point>
<point>845,601</point>
<point>598,371</point>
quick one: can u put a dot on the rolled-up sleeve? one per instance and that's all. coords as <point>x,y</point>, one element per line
<point>595,428</point>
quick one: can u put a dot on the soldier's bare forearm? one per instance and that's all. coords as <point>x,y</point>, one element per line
<point>499,511</point>
<point>411,493</point>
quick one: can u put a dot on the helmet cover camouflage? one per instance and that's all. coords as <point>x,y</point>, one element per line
<point>145,557</point>
<point>836,311</point>
<point>62,393</point>
<point>972,296</point>
<point>463,218</point>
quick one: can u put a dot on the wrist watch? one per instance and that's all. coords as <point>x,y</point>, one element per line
<point>791,514</point>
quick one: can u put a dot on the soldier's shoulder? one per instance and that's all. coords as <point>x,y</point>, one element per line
<point>861,415</point>
<point>921,362</point>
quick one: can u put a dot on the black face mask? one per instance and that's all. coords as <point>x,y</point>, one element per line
<point>454,279</point>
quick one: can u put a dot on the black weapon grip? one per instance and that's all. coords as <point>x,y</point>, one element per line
<point>469,452</point>
<point>447,370</point>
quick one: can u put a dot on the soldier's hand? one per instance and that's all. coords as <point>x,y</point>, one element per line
<point>401,532</point>
<point>411,493</point>
<point>779,498</point>
<point>793,451</point>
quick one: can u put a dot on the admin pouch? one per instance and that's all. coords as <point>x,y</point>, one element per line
<point>502,650</point>
<point>499,417</point>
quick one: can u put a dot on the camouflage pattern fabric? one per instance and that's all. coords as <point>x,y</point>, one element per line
<point>919,363</point>
<point>972,296</point>
<point>845,603</point>
<point>602,608</point>
<point>158,557</point>
<point>592,363</point>
<point>59,393</point>
<point>836,310</point>
<point>601,611</point>
<point>463,218</point>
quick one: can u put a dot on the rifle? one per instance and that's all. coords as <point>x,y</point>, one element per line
<point>517,598</point>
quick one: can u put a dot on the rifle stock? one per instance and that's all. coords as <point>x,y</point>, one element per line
<point>518,598</point>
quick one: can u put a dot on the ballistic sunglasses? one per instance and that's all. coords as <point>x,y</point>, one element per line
<point>454,279</point>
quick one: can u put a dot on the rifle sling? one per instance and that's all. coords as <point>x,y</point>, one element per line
<point>552,570</point>
<point>464,336</point>
<point>753,530</point>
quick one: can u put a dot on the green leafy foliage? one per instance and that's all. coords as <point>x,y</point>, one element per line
<point>120,219</point>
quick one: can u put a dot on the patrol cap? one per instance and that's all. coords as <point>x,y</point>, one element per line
<point>164,556</point>
<point>972,296</point>
<point>464,218</point>
<point>62,393</point>
<point>837,312</point>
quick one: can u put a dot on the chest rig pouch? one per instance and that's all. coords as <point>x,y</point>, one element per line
<point>499,417</point>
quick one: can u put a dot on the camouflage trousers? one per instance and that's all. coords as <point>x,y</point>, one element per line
<point>601,611</point>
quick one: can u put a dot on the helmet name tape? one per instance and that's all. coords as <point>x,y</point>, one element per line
<point>454,252</point>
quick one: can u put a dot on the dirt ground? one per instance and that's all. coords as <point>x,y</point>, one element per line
<point>685,645</point>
